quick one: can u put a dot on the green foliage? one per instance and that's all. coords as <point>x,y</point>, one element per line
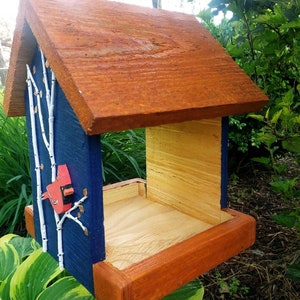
<point>281,131</point>
<point>36,272</point>
<point>66,288</point>
<point>293,272</point>
<point>28,273</point>
<point>263,38</point>
<point>15,183</point>
<point>288,219</point>
<point>241,134</point>
<point>123,155</point>
<point>231,288</point>
<point>191,291</point>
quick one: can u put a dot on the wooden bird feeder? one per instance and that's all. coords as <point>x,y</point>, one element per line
<point>80,68</point>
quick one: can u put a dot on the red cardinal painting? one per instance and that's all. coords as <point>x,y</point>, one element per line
<point>60,191</point>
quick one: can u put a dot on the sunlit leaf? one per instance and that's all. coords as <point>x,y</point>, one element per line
<point>194,290</point>
<point>66,288</point>
<point>292,24</point>
<point>33,275</point>
<point>267,138</point>
<point>256,117</point>
<point>9,260</point>
<point>6,238</point>
<point>276,116</point>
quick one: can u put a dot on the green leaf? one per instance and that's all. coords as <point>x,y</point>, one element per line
<point>256,117</point>
<point>284,185</point>
<point>292,144</point>
<point>66,288</point>
<point>194,290</point>
<point>267,113</point>
<point>287,99</point>
<point>6,238</point>
<point>24,246</point>
<point>9,260</point>
<point>14,179</point>
<point>280,168</point>
<point>292,24</point>
<point>267,138</point>
<point>5,287</point>
<point>262,160</point>
<point>276,116</point>
<point>33,276</point>
<point>285,218</point>
<point>293,272</point>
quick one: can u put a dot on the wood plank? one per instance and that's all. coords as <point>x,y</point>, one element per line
<point>137,228</point>
<point>184,168</point>
<point>110,283</point>
<point>29,222</point>
<point>142,67</point>
<point>124,190</point>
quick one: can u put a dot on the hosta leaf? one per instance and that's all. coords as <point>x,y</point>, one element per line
<point>66,288</point>
<point>5,287</point>
<point>33,275</point>
<point>6,238</point>
<point>9,260</point>
<point>194,290</point>
<point>23,246</point>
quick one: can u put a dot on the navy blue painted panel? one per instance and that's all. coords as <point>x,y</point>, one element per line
<point>224,163</point>
<point>82,155</point>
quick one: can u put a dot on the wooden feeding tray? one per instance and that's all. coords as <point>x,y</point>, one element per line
<point>153,249</point>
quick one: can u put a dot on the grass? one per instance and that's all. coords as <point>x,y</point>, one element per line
<point>15,184</point>
<point>123,155</point>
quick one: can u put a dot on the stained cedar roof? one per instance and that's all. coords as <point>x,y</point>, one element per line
<point>122,66</point>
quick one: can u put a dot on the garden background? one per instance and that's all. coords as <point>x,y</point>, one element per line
<point>263,37</point>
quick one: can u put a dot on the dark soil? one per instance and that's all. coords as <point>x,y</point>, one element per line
<point>260,271</point>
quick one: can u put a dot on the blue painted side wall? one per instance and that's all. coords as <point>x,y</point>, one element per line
<point>224,163</point>
<point>82,155</point>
